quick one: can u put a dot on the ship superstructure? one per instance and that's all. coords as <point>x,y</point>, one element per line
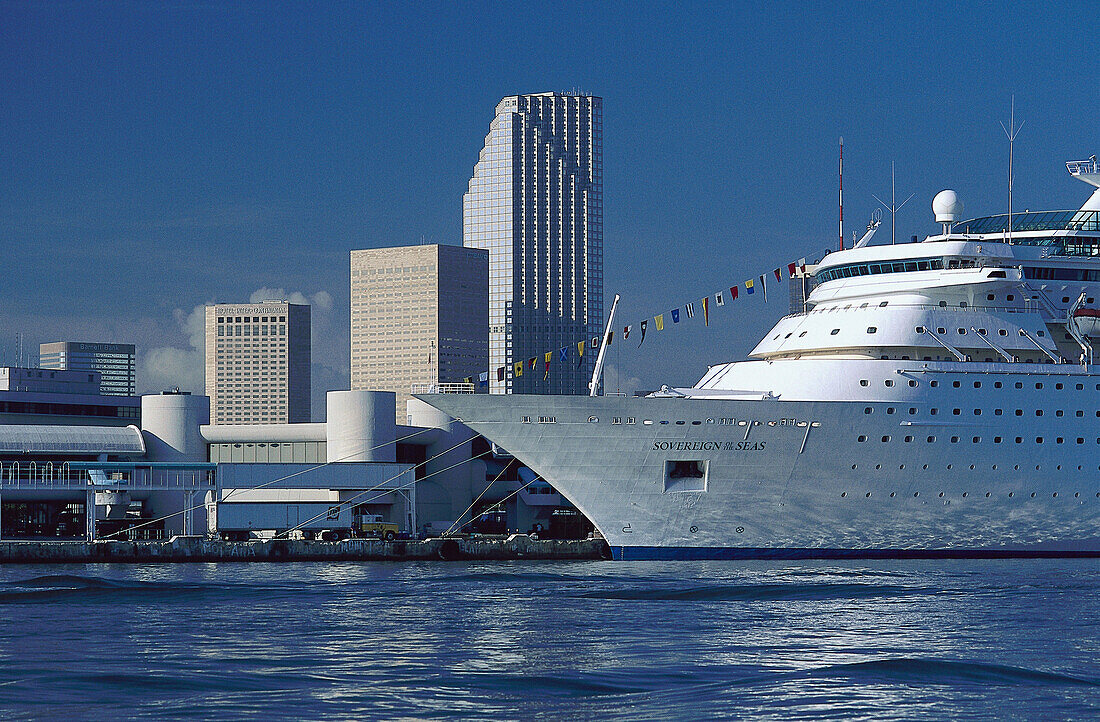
<point>936,397</point>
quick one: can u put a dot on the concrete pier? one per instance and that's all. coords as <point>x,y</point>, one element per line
<point>199,549</point>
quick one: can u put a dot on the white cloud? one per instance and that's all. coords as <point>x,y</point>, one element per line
<point>168,367</point>
<point>614,381</point>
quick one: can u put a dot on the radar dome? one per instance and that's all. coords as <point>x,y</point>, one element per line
<point>947,206</point>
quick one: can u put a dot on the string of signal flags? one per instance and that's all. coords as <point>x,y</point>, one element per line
<point>693,309</point>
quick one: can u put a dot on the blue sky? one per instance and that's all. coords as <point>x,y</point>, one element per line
<point>158,156</point>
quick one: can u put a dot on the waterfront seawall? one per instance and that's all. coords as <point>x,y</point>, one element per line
<point>195,549</point>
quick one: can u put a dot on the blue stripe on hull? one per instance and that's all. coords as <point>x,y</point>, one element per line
<point>686,553</point>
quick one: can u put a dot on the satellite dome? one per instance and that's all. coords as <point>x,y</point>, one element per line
<point>947,206</point>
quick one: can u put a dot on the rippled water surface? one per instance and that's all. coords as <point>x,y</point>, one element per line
<point>549,640</point>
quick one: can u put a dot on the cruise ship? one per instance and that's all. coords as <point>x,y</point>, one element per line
<point>935,398</point>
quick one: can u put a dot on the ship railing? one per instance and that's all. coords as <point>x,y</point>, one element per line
<point>1078,167</point>
<point>451,388</point>
<point>918,306</point>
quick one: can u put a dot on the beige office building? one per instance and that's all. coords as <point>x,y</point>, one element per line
<point>258,363</point>
<point>419,316</point>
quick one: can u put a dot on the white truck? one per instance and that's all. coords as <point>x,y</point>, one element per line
<point>239,521</point>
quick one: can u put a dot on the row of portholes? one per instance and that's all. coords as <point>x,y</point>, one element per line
<point>988,494</point>
<point>974,439</point>
<point>1039,385</point>
<point>973,467</point>
<point>933,411</point>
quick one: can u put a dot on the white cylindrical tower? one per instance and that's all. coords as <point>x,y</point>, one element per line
<point>170,424</point>
<point>360,426</point>
<point>423,414</point>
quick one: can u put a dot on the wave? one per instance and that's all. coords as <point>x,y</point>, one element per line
<point>915,670</point>
<point>760,592</point>
<point>70,586</point>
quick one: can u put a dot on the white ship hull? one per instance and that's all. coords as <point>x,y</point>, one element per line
<point>790,479</point>
<point>932,398</point>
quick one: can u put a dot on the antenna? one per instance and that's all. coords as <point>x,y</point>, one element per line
<point>841,193</point>
<point>893,207</point>
<point>1011,131</point>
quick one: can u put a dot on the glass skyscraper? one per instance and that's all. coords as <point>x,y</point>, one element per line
<point>535,202</point>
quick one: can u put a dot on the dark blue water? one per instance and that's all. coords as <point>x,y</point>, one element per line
<point>547,640</point>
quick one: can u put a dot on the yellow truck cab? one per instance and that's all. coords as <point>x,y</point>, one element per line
<point>371,525</point>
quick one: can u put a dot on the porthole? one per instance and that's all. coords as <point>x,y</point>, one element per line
<point>592,419</point>
<point>1019,384</point>
<point>1002,332</point>
<point>931,439</point>
<point>996,439</point>
<point>853,467</point>
<point>950,466</point>
<point>912,384</point>
<point>912,411</point>
<point>868,495</point>
<point>844,493</point>
<point>872,329</point>
<point>977,384</point>
<point>988,494</point>
<point>976,440</point>
<point>972,467</point>
<point>941,329</point>
<point>1019,440</point>
<point>933,384</point>
<point>955,384</point>
<point>925,467</point>
<point>919,329</point>
<point>889,383</point>
<point>956,412</point>
<point>977,412</point>
<point>878,466</point>
<point>696,423</point>
<point>1076,495</point>
<point>1010,495</point>
<point>890,409</point>
<point>892,494</point>
<point>1039,385</point>
<point>864,382</point>
<point>680,423</point>
<point>917,493</point>
<point>941,494</point>
<point>964,494</point>
<point>1038,412</point>
<point>962,331</point>
<point>908,439</point>
<point>954,439</point>
<point>885,439</point>
<point>1058,387</point>
<point>1038,439</point>
<point>868,410</point>
<point>861,439</point>
<point>834,332</point>
<point>996,384</point>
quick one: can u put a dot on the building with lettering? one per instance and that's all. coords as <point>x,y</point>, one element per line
<point>535,202</point>
<point>114,362</point>
<point>258,363</point>
<point>419,316</point>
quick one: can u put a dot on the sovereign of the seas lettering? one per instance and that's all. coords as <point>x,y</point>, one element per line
<point>709,445</point>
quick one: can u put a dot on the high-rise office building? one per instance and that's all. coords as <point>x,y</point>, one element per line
<point>257,363</point>
<point>419,315</point>
<point>535,202</point>
<point>113,361</point>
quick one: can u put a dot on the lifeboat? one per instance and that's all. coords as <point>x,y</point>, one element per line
<point>1087,321</point>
